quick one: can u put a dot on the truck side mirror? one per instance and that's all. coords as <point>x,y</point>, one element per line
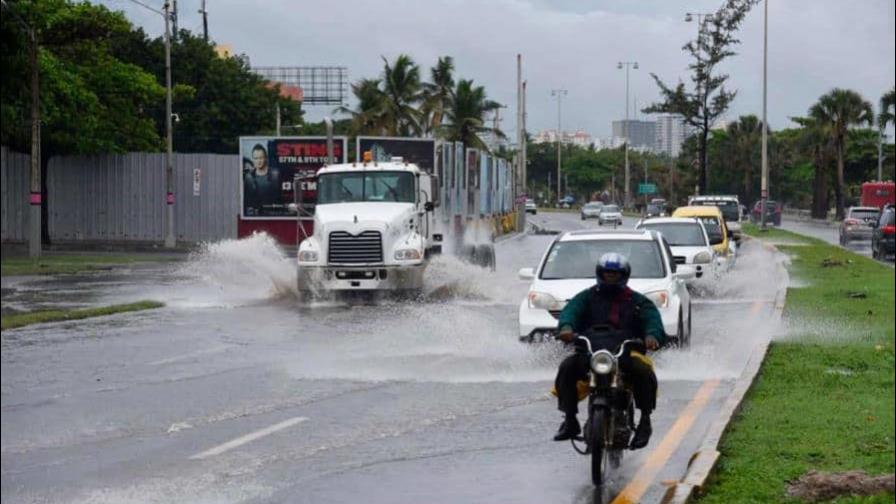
<point>434,190</point>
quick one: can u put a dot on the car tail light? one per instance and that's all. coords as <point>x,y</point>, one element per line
<point>851,222</point>
<point>888,230</point>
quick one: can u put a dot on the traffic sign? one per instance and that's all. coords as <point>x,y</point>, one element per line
<point>647,188</point>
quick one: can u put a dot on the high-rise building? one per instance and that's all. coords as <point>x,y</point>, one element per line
<point>671,132</point>
<point>641,134</point>
<point>579,138</point>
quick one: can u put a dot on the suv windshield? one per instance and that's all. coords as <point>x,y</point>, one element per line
<point>730,209</point>
<point>712,225</point>
<point>359,186</point>
<point>576,259</point>
<point>679,234</point>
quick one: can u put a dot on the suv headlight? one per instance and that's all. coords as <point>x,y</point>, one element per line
<point>544,301</point>
<point>407,254</point>
<point>703,258</point>
<point>308,256</point>
<point>602,362</point>
<point>659,298</point>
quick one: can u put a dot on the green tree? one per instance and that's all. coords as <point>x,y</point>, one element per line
<point>709,98</point>
<point>367,118</point>
<point>437,94</point>
<point>745,137</point>
<point>839,110</point>
<point>465,114</point>
<point>401,93</point>
<point>887,106</point>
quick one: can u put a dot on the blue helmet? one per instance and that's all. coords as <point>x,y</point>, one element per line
<point>613,261</point>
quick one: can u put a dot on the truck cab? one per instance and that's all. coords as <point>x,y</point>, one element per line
<point>374,228</point>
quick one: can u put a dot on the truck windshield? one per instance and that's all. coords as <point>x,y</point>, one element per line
<point>730,209</point>
<point>349,187</point>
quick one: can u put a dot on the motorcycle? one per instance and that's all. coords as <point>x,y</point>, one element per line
<point>611,412</point>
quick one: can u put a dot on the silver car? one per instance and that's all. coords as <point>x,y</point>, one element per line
<point>609,214</point>
<point>858,224</point>
<point>591,210</point>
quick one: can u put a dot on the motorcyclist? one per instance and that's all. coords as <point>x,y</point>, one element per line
<point>629,315</point>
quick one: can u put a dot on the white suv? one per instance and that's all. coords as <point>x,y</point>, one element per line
<point>567,268</point>
<point>688,240</point>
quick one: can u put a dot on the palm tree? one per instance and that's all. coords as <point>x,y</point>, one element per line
<point>437,93</point>
<point>744,137</point>
<point>887,104</point>
<point>466,112</point>
<point>367,118</point>
<point>815,141</point>
<point>401,91</point>
<point>839,110</point>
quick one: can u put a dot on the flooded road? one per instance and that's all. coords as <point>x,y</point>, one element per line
<point>235,393</point>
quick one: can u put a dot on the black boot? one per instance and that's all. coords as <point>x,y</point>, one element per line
<point>642,432</point>
<point>568,429</point>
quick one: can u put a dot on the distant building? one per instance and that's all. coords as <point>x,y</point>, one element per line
<point>671,132</point>
<point>579,138</point>
<point>641,134</point>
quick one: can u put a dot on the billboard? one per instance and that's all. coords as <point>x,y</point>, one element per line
<point>268,166</point>
<point>420,151</point>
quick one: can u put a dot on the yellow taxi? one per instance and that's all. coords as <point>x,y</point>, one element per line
<point>714,222</point>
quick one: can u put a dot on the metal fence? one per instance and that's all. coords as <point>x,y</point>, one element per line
<point>121,197</point>
<point>15,173</point>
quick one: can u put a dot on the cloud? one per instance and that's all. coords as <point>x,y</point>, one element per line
<point>814,45</point>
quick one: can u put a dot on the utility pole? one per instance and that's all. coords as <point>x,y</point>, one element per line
<point>521,167</point>
<point>36,194</point>
<point>278,118</point>
<point>525,145</point>
<point>628,195</point>
<point>204,13</point>
<point>763,196</point>
<point>169,170</point>
<point>174,19</point>
<point>559,93</point>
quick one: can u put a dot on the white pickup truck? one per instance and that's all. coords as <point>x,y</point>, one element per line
<point>374,229</point>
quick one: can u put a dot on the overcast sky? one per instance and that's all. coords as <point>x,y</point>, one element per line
<point>814,45</point>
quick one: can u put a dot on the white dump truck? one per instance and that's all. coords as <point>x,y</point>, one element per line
<point>374,229</point>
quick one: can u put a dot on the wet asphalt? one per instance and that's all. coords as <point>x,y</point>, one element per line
<point>234,393</point>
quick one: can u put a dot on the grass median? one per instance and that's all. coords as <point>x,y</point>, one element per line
<point>824,397</point>
<point>72,263</point>
<point>39,317</point>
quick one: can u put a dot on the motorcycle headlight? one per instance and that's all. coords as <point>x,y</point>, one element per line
<point>308,256</point>
<point>544,301</point>
<point>703,258</point>
<point>407,254</point>
<point>602,362</point>
<point>659,298</point>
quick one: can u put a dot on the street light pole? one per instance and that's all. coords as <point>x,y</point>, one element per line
<point>628,194</point>
<point>35,196</point>
<point>169,170</point>
<point>559,93</point>
<point>763,194</point>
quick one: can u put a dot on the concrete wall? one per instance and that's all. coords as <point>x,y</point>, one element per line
<point>14,172</point>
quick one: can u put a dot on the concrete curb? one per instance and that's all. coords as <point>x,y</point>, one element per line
<point>704,460</point>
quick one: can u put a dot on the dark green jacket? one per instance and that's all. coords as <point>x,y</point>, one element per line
<point>651,321</point>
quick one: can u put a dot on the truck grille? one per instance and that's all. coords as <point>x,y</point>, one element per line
<point>364,248</point>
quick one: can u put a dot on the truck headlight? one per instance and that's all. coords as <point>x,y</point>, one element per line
<point>407,254</point>
<point>659,298</point>
<point>307,256</point>
<point>602,362</point>
<point>703,258</point>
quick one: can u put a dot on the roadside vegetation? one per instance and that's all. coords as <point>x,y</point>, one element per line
<point>71,263</point>
<point>824,397</point>
<point>39,317</point>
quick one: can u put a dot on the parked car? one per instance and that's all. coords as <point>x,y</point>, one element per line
<point>883,239</point>
<point>567,268</point>
<point>689,241</point>
<point>772,213</point>
<point>591,210</point>
<point>609,214</point>
<point>712,219</point>
<point>858,224</point>
<point>531,207</point>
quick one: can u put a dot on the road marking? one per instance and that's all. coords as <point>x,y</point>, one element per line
<point>757,307</point>
<point>633,492</point>
<point>248,438</point>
